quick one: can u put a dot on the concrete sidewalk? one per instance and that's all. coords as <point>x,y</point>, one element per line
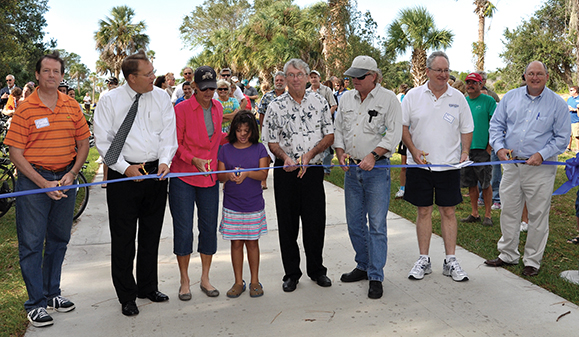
<point>494,302</point>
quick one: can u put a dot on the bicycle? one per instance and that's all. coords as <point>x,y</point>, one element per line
<point>82,194</point>
<point>8,185</point>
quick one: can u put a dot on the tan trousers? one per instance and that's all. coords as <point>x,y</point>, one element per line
<point>533,185</point>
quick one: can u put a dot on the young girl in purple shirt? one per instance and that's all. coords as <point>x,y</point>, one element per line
<point>243,220</point>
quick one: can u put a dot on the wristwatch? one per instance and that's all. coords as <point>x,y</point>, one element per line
<point>376,156</point>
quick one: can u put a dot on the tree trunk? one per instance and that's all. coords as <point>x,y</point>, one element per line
<point>480,64</point>
<point>418,70</point>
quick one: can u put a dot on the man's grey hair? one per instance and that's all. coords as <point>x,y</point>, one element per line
<point>298,64</point>
<point>279,73</point>
<point>378,75</point>
<point>482,74</point>
<point>11,76</point>
<point>434,55</point>
<point>543,64</point>
<point>225,69</point>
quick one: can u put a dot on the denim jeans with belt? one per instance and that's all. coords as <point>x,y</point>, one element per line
<point>42,223</point>
<point>367,195</point>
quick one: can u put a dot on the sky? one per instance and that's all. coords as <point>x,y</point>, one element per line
<point>73,24</point>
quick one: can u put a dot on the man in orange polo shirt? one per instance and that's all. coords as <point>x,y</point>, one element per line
<point>45,130</point>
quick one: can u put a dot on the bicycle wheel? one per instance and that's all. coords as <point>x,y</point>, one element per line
<point>81,196</point>
<point>7,185</point>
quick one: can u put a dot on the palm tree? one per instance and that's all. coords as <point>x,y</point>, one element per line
<point>118,37</point>
<point>483,9</point>
<point>573,10</point>
<point>78,71</point>
<point>415,29</point>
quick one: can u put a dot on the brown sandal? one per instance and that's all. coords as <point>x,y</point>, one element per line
<point>236,290</point>
<point>255,290</point>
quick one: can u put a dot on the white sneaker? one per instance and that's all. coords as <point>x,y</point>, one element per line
<point>39,317</point>
<point>399,194</point>
<point>495,206</point>
<point>524,226</point>
<point>452,268</point>
<point>421,268</point>
<point>480,202</point>
<point>60,304</point>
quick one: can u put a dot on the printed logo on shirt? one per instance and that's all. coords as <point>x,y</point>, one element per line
<point>453,105</point>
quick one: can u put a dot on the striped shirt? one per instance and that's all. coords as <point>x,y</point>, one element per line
<point>47,137</point>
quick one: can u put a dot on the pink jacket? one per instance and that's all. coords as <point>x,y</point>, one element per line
<point>193,140</point>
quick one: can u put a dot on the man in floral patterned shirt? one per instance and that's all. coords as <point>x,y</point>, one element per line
<point>298,128</point>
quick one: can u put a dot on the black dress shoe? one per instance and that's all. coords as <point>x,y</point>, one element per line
<point>323,281</point>
<point>354,276</point>
<point>499,263</point>
<point>130,308</point>
<point>156,296</point>
<point>530,271</point>
<point>375,290</point>
<point>290,285</point>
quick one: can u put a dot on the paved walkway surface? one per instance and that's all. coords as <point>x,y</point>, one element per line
<point>494,302</point>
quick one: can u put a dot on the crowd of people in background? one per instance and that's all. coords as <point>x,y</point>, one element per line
<point>214,122</point>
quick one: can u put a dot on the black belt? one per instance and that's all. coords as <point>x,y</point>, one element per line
<point>39,167</point>
<point>149,167</point>
<point>358,161</point>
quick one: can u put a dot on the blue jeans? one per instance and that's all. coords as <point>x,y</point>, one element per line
<point>182,200</point>
<point>42,224</point>
<point>367,193</point>
<point>495,179</point>
<point>327,161</point>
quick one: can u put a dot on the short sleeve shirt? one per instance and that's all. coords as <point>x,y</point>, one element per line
<point>298,127</point>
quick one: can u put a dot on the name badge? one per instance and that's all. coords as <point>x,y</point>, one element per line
<point>448,117</point>
<point>41,123</point>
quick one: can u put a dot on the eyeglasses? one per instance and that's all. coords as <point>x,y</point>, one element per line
<point>222,89</point>
<point>205,89</point>
<point>298,75</point>
<point>149,74</point>
<point>440,71</point>
<point>361,78</point>
<point>536,74</point>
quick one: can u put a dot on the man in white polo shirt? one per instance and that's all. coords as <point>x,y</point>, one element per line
<point>437,128</point>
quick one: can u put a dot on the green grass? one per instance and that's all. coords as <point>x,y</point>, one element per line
<point>13,321</point>
<point>559,255</point>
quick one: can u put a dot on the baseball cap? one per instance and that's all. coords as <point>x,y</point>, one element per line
<point>361,65</point>
<point>234,79</point>
<point>245,82</point>
<point>205,78</point>
<point>315,72</point>
<point>474,77</point>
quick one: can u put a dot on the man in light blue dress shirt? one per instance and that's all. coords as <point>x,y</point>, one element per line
<point>530,123</point>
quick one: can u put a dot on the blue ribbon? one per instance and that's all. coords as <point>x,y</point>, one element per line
<point>572,172</point>
<point>572,175</point>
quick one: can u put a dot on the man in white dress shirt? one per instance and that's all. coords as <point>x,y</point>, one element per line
<point>149,147</point>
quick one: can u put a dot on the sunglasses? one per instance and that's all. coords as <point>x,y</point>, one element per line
<point>187,73</point>
<point>223,89</point>
<point>212,89</point>
<point>225,75</point>
<point>361,78</point>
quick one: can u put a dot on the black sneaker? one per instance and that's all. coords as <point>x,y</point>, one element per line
<point>60,304</point>
<point>39,317</point>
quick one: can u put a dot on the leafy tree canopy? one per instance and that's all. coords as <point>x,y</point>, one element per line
<point>544,37</point>
<point>22,25</point>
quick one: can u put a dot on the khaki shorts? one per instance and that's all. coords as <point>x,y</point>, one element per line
<point>575,130</point>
